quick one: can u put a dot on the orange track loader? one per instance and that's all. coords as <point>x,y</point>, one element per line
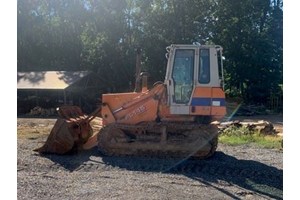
<point>171,119</point>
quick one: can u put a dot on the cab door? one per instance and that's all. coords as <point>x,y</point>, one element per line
<point>181,80</point>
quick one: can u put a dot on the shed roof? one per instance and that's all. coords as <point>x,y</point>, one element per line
<point>58,80</point>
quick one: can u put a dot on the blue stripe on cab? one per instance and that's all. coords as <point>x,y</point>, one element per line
<point>201,102</point>
<point>196,101</point>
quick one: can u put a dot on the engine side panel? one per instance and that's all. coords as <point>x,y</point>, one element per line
<point>132,108</point>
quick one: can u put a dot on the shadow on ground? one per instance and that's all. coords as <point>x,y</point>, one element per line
<point>219,171</point>
<point>73,161</point>
<point>248,174</point>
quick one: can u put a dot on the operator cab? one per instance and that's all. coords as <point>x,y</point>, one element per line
<point>193,71</point>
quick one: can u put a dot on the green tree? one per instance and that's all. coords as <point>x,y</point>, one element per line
<point>49,34</point>
<point>251,33</point>
<point>102,36</point>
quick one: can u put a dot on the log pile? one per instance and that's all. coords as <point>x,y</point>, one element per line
<point>262,126</point>
<point>43,112</point>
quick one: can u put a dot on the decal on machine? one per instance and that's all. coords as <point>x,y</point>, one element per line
<point>135,112</point>
<point>216,103</point>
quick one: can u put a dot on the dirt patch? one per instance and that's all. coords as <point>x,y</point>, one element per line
<point>243,172</point>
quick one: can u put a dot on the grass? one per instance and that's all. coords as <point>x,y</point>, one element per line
<point>241,135</point>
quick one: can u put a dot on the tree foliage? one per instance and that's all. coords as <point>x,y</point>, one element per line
<point>102,36</point>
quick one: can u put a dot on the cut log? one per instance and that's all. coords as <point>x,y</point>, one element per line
<point>262,126</point>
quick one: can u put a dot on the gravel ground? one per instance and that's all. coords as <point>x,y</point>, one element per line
<point>243,172</point>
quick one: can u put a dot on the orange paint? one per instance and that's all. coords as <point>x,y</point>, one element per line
<point>202,92</point>
<point>200,110</point>
<point>218,110</point>
<point>218,93</point>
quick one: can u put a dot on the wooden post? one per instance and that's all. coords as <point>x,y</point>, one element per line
<point>65,98</point>
<point>36,98</point>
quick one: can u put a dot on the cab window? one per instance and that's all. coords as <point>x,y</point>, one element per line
<point>204,66</point>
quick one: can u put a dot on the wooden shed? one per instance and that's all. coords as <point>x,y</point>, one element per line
<point>50,89</point>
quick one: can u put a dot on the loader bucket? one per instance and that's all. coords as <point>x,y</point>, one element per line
<point>69,132</point>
